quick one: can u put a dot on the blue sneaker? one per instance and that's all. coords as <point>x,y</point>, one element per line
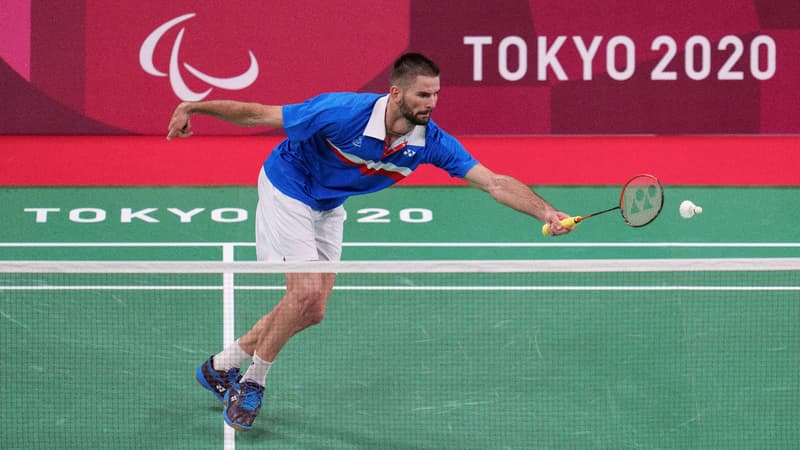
<point>216,382</point>
<point>242,403</point>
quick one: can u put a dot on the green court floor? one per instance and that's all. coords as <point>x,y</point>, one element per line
<point>445,222</point>
<point>566,361</point>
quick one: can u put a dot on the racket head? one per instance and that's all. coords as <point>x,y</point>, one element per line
<point>641,200</point>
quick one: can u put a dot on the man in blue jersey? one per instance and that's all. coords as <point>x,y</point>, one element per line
<point>337,145</point>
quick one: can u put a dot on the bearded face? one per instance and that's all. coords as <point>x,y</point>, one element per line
<point>415,117</point>
<point>419,99</point>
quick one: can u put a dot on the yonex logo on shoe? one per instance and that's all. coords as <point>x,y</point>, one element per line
<point>220,388</point>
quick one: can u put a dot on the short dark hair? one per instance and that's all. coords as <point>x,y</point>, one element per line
<point>411,65</point>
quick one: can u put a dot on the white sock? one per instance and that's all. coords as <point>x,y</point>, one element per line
<point>257,371</point>
<point>231,356</point>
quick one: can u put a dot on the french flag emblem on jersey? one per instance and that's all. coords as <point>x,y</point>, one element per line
<point>371,167</point>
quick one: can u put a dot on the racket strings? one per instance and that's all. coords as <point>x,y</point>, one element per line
<point>641,200</point>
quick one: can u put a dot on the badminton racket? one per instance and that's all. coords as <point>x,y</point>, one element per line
<point>640,202</point>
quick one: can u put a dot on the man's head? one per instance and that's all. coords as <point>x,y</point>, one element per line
<point>415,87</point>
<point>409,66</point>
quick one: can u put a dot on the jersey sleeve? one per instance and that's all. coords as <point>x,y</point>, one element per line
<point>303,120</point>
<point>446,153</point>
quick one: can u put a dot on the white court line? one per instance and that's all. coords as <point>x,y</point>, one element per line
<point>111,288</point>
<point>406,288</point>
<point>119,244</point>
<point>422,266</point>
<point>228,296</point>
<point>425,244</point>
<point>577,244</point>
<point>228,289</point>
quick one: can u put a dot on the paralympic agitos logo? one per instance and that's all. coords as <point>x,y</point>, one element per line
<point>175,74</point>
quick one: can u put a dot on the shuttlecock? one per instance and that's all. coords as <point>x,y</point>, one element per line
<point>689,209</point>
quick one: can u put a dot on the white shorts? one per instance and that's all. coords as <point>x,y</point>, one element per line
<point>289,230</point>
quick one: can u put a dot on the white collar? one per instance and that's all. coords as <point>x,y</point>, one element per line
<point>376,127</point>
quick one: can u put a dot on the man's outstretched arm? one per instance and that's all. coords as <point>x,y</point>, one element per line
<point>513,193</point>
<point>238,113</point>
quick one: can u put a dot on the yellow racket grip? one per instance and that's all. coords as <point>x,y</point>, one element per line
<point>568,222</point>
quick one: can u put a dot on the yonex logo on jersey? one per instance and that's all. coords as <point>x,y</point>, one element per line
<point>357,142</point>
<point>410,153</point>
<point>179,86</point>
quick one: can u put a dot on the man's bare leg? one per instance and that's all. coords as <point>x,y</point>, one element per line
<point>302,306</point>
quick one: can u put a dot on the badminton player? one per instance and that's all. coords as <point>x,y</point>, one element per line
<point>337,145</point>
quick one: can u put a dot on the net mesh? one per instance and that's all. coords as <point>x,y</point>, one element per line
<point>416,354</point>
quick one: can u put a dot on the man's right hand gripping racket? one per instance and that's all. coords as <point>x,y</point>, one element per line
<point>640,202</point>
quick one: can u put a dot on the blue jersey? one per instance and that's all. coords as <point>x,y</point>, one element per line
<point>335,148</point>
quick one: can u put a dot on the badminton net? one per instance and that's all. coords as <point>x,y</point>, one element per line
<point>698,353</point>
